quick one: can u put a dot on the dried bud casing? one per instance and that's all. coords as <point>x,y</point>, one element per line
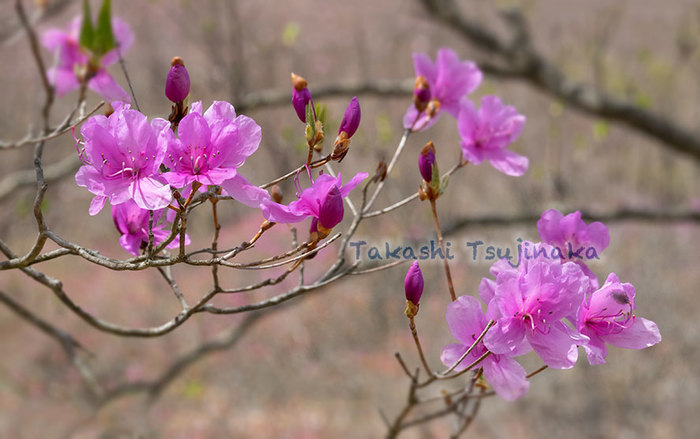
<point>413,284</point>
<point>301,96</point>
<point>421,93</point>
<point>426,161</point>
<point>177,84</point>
<point>380,172</point>
<point>276,194</point>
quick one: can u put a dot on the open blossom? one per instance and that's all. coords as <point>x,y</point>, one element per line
<point>528,305</point>
<point>132,223</point>
<point>121,157</point>
<point>574,238</point>
<point>487,132</point>
<point>444,82</point>
<point>606,317</point>
<point>209,147</point>
<point>74,64</point>
<point>571,232</point>
<point>323,201</point>
<point>467,321</point>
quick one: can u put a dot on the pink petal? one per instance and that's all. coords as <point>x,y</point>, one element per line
<point>424,66</point>
<point>506,376</point>
<point>96,205</point>
<point>151,194</point>
<point>104,85</point>
<point>509,162</point>
<point>465,319</point>
<point>279,213</point>
<point>453,352</point>
<point>242,191</point>
<point>557,348</point>
<point>642,334</point>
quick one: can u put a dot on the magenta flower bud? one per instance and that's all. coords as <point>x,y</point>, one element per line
<point>351,119</point>
<point>331,211</point>
<point>413,284</point>
<point>177,84</point>
<point>301,96</point>
<point>421,93</point>
<point>426,160</point>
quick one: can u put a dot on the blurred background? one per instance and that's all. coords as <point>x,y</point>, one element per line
<point>324,365</point>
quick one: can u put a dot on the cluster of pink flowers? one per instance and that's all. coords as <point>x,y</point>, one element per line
<point>547,305</point>
<point>486,132</point>
<point>136,165</point>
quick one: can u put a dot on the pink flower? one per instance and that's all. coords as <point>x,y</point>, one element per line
<point>323,201</point>
<point>528,305</point>
<point>210,146</point>
<point>132,223</point>
<point>571,232</point>
<point>121,157</point>
<point>574,238</point>
<point>486,134</point>
<point>467,321</point>
<point>75,64</point>
<point>448,79</point>
<point>606,317</point>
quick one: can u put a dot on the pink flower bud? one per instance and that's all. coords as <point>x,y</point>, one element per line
<point>331,212</point>
<point>177,84</point>
<point>301,96</point>
<point>351,119</point>
<point>421,93</point>
<point>426,160</point>
<point>413,284</point>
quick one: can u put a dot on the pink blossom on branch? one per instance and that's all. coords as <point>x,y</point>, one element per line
<point>121,157</point>
<point>487,132</point>
<point>209,147</point>
<point>132,223</point>
<point>314,201</point>
<point>467,321</point>
<point>74,64</point>
<point>606,317</point>
<point>529,305</point>
<point>448,81</point>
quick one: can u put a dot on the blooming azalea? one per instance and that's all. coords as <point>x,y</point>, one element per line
<point>528,305</point>
<point>121,157</point>
<point>487,132</point>
<point>75,64</point>
<point>323,201</point>
<point>467,321</point>
<point>132,223</point>
<point>606,317</point>
<point>209,147</point>
<point>574,238</point>
<point>448,81</point>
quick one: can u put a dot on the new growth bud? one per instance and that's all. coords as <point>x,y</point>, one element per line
<point>331,211</point>
<point>413,284</point>
<point>301,96</point>
<point>348,126</point>
<point>421,93</point>
<point>426,160</point>
<point>177,84</point>
<point>276,194</point>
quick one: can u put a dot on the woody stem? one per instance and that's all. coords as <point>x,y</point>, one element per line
<point>448,275</point>
<point>412,325</point>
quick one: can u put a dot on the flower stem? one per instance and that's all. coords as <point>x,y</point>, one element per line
<point>442,246</point>
<point>412,325</point>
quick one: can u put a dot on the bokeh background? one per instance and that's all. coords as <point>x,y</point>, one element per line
<point>324,365</point>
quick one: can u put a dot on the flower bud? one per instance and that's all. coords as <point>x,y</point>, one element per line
<point>351,119</point>
<point>331,211</point>
<point>426,160</point>
<point>421,93</point>
<point>301,96</point>
<point>413,284</point>
<point>177,84</point>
